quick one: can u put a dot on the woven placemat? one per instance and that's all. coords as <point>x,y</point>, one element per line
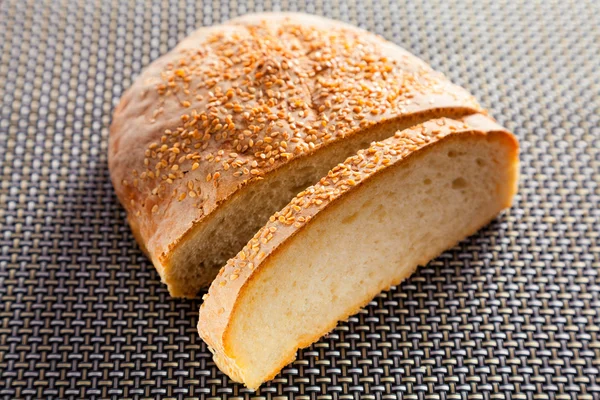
<point>512,312</point>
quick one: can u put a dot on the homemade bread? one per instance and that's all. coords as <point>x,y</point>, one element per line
<point>364,227</point>
<point>229,126</point>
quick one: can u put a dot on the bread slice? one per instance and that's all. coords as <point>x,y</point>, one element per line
<point>227,128</point>
<point>364,227</point>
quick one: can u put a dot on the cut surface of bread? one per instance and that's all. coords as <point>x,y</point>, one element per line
<point>221,132</point>
<point>364,227</point>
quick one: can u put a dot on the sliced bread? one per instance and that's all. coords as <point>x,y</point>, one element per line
<point>364,227</point>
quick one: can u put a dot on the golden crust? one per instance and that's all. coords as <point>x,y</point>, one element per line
<point>233,103</point>
<point>220,303</point>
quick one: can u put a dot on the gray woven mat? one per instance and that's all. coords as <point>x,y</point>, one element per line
<point>512,312</point>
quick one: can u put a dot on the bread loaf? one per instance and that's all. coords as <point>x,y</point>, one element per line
<point>225,129</point>
<point>364,227</point>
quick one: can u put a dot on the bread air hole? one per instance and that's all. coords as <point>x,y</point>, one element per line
<point>350,218</point>
<point>380,213</point>
<point>459,183</point>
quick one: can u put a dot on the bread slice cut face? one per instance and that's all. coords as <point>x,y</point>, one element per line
<point>364,227</point>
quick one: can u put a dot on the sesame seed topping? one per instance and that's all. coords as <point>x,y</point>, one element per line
<point>247,100</point>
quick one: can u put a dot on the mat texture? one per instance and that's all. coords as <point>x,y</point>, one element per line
<point>512,312</point>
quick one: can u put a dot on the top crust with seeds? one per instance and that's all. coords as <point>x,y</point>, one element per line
<point>231,104</point>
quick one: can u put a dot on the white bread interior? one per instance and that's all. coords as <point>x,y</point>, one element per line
<point>364,241</point>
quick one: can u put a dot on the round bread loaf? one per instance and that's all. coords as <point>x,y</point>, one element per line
<point>225,129</point>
